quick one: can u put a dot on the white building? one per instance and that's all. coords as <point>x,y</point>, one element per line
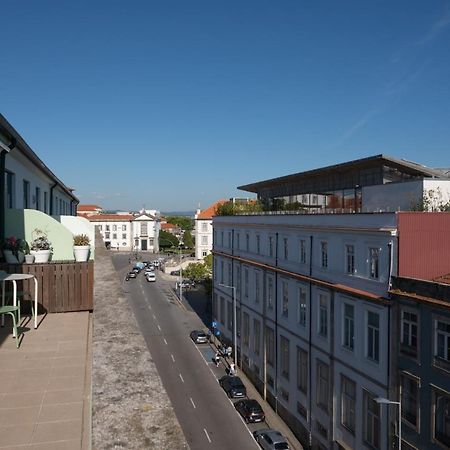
<point>203,230</point>
<point>313,314</point>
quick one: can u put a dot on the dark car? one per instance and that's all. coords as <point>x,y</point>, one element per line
<point>175,273</point>
<point>233,386</point>
<point>199,337</point>
<point>131,275</point>
<point>250,410</point>
<point>271,439</point>
<point>135,270</point>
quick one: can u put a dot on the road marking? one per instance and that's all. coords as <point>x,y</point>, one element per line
<point>173,359</point>
<point>207,435</point>
<point>181,378</point>
<point>154,316</point>
<point>165,342</point>
<point>192,401</point>
<point>159,328</point>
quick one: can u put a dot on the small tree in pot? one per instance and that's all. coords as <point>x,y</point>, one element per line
<point>81,247</point>
<point>40,247</point>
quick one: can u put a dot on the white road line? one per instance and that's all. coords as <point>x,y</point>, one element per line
<point>173,359</point>
<point>181,378</point>
<point>192,401</point>
<point>154,316</point>
<point>207,435</point>
<point>159,328</point>
<point>165,342</point>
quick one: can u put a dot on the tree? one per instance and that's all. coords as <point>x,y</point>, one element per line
<point>187,239</point>
<point>167,239</point>
<point>196,272</point>
<point>208,261</point>
<point>184,222</point>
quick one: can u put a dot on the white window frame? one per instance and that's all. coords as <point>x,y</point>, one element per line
<point>302,251</point>
<point>302,305</point>
<point>409,325</point>
<point>323,315</point>
<point>446,337</point>
<point>374,263</point>
<point>350,267</point>
<point>285,298</point>
<point>375,331</point>
<point>348,328</point>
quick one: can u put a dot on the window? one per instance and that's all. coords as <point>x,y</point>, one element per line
<point>124,228</point>
<point>100,227</point>
<point>269,293</point>
<point>324,254</point>
<point>442,418</point>
<point>246,282</point>
<point>124,235</point>
<point>302,410</point>
<point>10,184</point>
<point>114,235</point>
<point>322,385</point>
<point>45,201</point>
<point>204,240</point>
<point>302,370</point>
<point>222,270</point>
<point>115,227</point>
<point>443,340</point>
<point>348,403</point>
<point>373,263</point>
<point>26,194</point>
<point>222,310</point>
<point>230,316</point>
<point>144,228</point>
<point>258,244</point>
<point>204,227</point>
<point>284,350</point>
<point>246,326</point>
<point>302,251</point>
<point>257,287</point>
<point>238,278</point>
<point>301,308</point>
<point>285,248</point>
<point>256,335</point>
<point>247,242</point>
<point>350,259</point>
<point>285,305</point>
<point>204,253</point>
<point>270,246</point>
<point>107,235</point>
<point>371,425</point>
<point>373,336</point>
<point>349,326</point>
<point>409,332</point>
<point>323,315</point>
<point>107,228</point>
<point>270,344</point>
<point>409,399</point>
<point>38,198</point>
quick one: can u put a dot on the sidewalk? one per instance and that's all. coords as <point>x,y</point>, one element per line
<point>45,384</point>
<point>273,420</point>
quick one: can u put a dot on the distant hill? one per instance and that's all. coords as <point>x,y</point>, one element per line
<point>178,213</point>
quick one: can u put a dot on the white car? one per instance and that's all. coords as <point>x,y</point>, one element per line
<point>150,276</point>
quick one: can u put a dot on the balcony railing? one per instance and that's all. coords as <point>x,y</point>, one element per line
<point>62,286</point>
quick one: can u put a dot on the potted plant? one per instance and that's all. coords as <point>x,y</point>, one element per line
<point>41,247</point>
<point>81,247</point>
<point>9,250</point>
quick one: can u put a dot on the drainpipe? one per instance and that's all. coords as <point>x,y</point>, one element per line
<point>51,198</point>
<point>310,341</point>
<point>391,262</point>
<point>276,324</point>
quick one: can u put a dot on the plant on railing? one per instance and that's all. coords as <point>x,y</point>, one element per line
<point>40,242</point>
<point>15,245</point>
<point>81,240</point>
<point>235,208</point>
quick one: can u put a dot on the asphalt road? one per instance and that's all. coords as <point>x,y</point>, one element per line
<point>205,413</point>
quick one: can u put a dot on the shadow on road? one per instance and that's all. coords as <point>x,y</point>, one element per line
<point>197,300</point>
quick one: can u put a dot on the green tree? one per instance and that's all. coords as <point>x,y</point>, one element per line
<point>208,261</point>
<point>184,222</point>
<point>196,272</point>
<point>167,239</point>
<point>187,239</point>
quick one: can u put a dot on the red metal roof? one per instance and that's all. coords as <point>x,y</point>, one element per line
<point>210,211</point>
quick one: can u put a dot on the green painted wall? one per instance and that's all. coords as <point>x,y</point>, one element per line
<point>21,223</point>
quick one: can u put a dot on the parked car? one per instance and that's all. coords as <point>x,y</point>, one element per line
<point>233,386</point>
<point>250,410</point>
<point>135,270</point>
<point>151,277</point>
<point>131,275</point>
<point>156,263</point>
<point>269,439</point>
<point>199,337</point>
<point>175,273</point>
<point>149,270</point>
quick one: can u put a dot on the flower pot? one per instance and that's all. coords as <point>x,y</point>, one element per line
<point>41,256</point>
<point>29,259</point>
<point>10,257</point>
<point>81,252</point>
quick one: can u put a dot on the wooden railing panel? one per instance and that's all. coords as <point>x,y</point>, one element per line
<point>62,286</point>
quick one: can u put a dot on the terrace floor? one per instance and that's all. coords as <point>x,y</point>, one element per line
<point>45,385</point>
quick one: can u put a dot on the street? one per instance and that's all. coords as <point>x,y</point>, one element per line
<point>205,413</point>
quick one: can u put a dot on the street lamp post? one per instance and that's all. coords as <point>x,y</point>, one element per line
<point>234,321</point>
<point>385,401</point>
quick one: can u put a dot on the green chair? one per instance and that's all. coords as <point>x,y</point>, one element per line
<point>12,311</point>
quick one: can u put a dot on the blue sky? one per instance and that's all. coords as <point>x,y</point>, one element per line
<point>173,104</point>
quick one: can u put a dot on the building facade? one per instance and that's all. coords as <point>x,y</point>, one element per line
<point>313,310</point>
